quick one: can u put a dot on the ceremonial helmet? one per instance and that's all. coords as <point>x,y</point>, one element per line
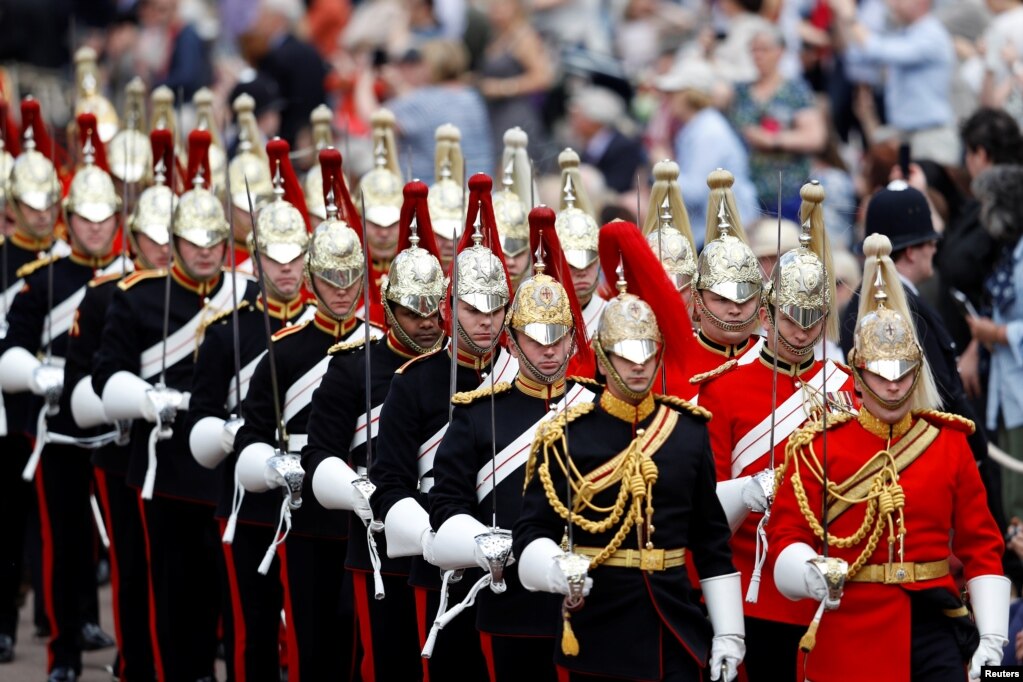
<point>7,143</point>
<point>628,328</point>
<point>202,100</point>
<point>33,179</point>
<point>577,229</point>
<point>726,265</point>
<point>153,211</point>
<point>128,153</point>
<point>199,216</point>
<point>510,203</point>
<point>323,137</point>
<point>91,194</point>
<point>416,280</point>
<point>88,100</point>
<point>381,187</point>
<point>885,340</point>
<point>335,253</point>
<point>161,102</point>
<point>283,230</point>
<point>249,162</point>
<point>802,284</point>
<point>667,227</point>
<point>446,207</point>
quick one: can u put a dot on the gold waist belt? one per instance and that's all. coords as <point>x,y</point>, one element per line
<point>646,559</point>
<point>897,573</point>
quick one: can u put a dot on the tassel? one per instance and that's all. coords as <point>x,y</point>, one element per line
<point>569,644</point>
<point>809,640</point>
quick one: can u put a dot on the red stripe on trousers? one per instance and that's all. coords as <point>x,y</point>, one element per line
<point>46,530</point>
<point>362,617</point>
<point>237,614</point>
<point>487,644</point>
<point>563,674</point>
<point>294,673</point>
<point>103,490</point>
<point>422,623</point>
<point>153,635</point>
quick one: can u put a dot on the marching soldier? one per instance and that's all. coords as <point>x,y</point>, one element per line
<point>129,153</point>
<point>727,289</point>
<point>249,175</point>
<point>512,204</point>
<point>317,601</point>
<point>415,417</point>
<point>447,193</point>
<point>149,235</point>
<point>40,320</point>
<point>642,492</point>
<point>668,231</point>
<point>412,292</point>
<point>786,380</point>
<point>88,99</point>
<point>579,235</point>
<point>901,481</point>
<point>247,524</point>
<point>474,464</point>
<point>143,371</point>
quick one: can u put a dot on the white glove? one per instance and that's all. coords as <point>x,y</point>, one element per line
<point>989,595</point>
<point>731,495</point>
<point>428,551</point>
<point>753,493</point>
<point>404,527</point>
<point>723,595</point>
<point>798,579</point>
<point>360,505</point>
<point>557,583</point>
<point>454,545</point>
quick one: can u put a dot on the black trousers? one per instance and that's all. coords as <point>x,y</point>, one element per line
<point>318,609</point>
<point>387,629</point>
<point>181,541</point>
<point>772,650</point>
<point>252,606</point>
<point>677,666</point>
<point>457,654</point>
<point>129,577</point>
<point>63,485</point>
<point>934,653</point>
<point>510,659</point>
<point>15,504</point>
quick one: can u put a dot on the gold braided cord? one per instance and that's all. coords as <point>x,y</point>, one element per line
<point>947,417</point>
<point>553,431</point>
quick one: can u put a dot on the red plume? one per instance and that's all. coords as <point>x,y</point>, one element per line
<point>162,143</point>
<point>88,130</point>
<point>7,127</point>
<point>415,205</point>
<point>198,157</point>
<point>32,117</point>
<point>623,243</point>
<point>542,233</point>
<point>277,150</point>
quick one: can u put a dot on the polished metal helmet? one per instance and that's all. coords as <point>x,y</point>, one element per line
<point>481,276</point>
<point>673,249</point>
<point>33,179</point>
<point>249,163</point>
<point>382,187</point>
<point>510,207</point>
<point>91,194</point>
<point>128,153</point>
<point>6,165</point>
<point>335,253</point>
<point>88,99</point>
<point>727,265</point>
<point>155,206</point>
<point>323,137</point>
<point>199,216</point>
<point>446,198</point>
<point>541,309</point>
<point>577,230</point>
<point>415,280</point>
<point>202,100</point>
<point>628,327</point>
<point>283,235</point>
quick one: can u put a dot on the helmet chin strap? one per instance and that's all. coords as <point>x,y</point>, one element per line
<point>473,346</point>
<point>330,313</point>
<point>885,403</point>
<point>798,351</point>
<point>616,378</point>
<point>717,321</point>
<point>546,379</point>
<point>404,336</point>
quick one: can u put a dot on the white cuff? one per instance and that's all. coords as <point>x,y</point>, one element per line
<point>404,526</point>
<point>252,465</point>
<point>205,440</point>
<point>723,595</point>
<point>790,570</point>
<point>124,396</point>
<point>86,406</point>
<point>730,496</point>
<point>535,564</point>
<point>332,484</point>
<point>455,543</point>
<point>989,596</point>
<point>16,368</point>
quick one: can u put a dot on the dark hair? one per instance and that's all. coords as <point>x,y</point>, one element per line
<point>1001,203</point>
<point>997,133</point>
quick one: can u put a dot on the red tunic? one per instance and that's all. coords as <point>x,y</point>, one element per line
<point>704,355</point>
<point>740,401</point>
<point>868,636</point>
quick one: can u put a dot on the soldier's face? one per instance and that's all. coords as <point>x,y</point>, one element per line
<point>548,359</point>
<point>639,377</point>
<point>93,238</point>
<point>6,221</point>
<point>383,240</point>
<point>585,280</point>
<point>482,328</point>
<point>155,254</point>
<point>791,332</point>
<point>732,313</point>
<point>444,246</point>
<point>201,262</point>
<point>517,264</point>
<point>284,278</point>
<point>339,301</point>
<point>35,223</point>
<point>423,330</point>
<point>889,390</point>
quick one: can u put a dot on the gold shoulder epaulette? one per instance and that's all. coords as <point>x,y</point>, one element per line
<point>954,421</point>
<point>726,366</point>
<point>345,346</point>
<point>684,406</point>
<point>586,381</point>
<point>288,331</point>
<point>103,279</point>
<point>136,277</point>
<point>401,370</point>
<point>28,268</point>
<point>469,397</point>
<point>224,314</point>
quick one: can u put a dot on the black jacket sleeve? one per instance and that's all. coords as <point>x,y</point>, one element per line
<point>395,471</point>
<point>454,470</point>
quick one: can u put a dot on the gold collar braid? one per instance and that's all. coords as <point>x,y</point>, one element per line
<point>627,412</point>
<point>884,430</point>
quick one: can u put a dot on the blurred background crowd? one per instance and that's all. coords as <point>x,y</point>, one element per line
<point>854,94</point>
